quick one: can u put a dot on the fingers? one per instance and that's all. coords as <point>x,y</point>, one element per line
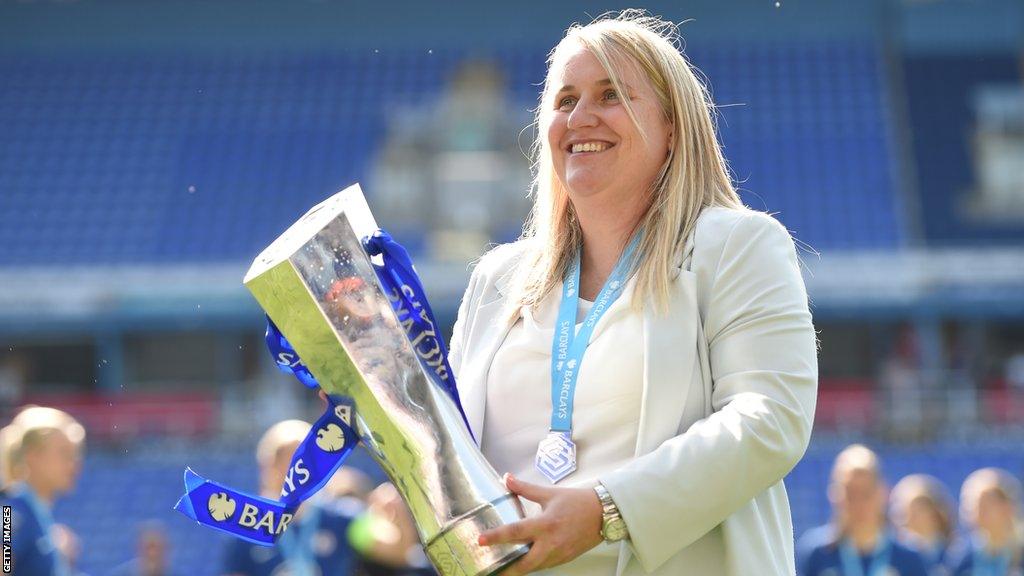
<point>534,492</point>
<point>522,532</point>
<point>532,560</point>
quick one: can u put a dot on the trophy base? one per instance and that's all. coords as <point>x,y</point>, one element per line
<point>455,552</point>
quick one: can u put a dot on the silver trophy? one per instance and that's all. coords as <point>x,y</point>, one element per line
<point>318,286</point>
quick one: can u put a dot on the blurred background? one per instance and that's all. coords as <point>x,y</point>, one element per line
<point>150,149</point>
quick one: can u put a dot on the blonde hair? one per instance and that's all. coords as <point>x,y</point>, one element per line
<point>987,480</point>
<point>277,436</point>
<point>926,489</point>
<point>694,175</point>
<point>30,428</point>
<point>856,458</point>
<point>9,438</point>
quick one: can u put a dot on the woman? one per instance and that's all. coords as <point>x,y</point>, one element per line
<point>921,511</point>
<point>989,505</point>
<point>858,541</point>
<point>43,448</point>
<point>662,449</point>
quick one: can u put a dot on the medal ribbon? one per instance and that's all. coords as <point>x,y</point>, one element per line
<point>879,558</point>
<point>568,346</point>
<point>986,564</point>
<point>556,453</point>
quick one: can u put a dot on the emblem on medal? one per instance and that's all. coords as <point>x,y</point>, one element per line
<point>556,456</point>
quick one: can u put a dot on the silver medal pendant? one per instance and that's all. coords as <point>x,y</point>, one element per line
<point>556,456</point>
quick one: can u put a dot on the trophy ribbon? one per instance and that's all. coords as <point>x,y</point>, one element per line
<point>409,300</point>
<point>261,520</point>
<point>332,437</point>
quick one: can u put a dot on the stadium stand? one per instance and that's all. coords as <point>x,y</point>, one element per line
<point>194,160</point>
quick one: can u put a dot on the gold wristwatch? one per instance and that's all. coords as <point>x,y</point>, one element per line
<point>613,527</point>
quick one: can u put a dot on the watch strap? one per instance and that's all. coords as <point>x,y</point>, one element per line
<point>613,526</point>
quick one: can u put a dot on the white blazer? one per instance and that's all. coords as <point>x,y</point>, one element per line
<point>729,386</point>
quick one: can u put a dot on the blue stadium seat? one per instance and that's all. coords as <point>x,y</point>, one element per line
<point>117,141</point>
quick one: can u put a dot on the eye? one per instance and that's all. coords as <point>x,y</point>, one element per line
<point>567,101</point>
<point>611,95</point>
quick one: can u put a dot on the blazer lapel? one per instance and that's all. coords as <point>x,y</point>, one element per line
<point>670,351</point>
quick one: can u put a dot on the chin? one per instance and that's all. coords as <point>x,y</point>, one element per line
<point>585,187</point>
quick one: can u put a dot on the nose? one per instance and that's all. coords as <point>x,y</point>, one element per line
<point>582,115</point>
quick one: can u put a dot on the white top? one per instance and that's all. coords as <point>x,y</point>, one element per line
<point>606,412</point>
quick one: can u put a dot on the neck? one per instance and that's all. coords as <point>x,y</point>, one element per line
<point>997,539</point>
<point>606,231</point>
<point>864,538</point>
<point>43,493</point>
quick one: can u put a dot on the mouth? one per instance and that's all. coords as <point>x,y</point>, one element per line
<point>588,147</point>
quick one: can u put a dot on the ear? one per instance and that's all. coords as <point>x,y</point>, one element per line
<point>835,493</point>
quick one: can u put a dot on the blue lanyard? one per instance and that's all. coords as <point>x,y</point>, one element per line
<point>985,564</point>
<point>879,558</point>
<point>567,346</point>
<point>296,546</point>
<point>41,512</point>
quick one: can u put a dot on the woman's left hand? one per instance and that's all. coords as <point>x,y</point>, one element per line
<point>569,525</point>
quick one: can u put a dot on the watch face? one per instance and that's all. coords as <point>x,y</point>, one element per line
<point>614,530</point>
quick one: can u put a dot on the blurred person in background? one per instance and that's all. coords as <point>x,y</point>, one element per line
<point>989,506</point>
<point>328,535</point>
<point>348,482</point>
<point>315,542</point>
<point>45,449</point>
<point>69,546</point>
<point>858,541</point>
<point>386,537</point>
<point>8,441</point>
<point>1014,371</point>
<point>921,511</point>
<point>151,553</point>
<point>13,374</point>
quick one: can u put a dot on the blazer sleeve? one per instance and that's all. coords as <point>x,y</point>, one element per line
<point>763,356</point>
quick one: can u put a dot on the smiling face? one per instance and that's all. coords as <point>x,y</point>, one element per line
<point>596,148</point>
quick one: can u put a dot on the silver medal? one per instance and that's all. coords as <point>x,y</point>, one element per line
<point>556,456</point>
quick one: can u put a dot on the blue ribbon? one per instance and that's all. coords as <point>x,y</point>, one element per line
<point>260,520</point>
<point>332,438</point>
<point>879,559</point>
<point>986,564</point>
<point>409,300</point>
<point>285,357</point>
